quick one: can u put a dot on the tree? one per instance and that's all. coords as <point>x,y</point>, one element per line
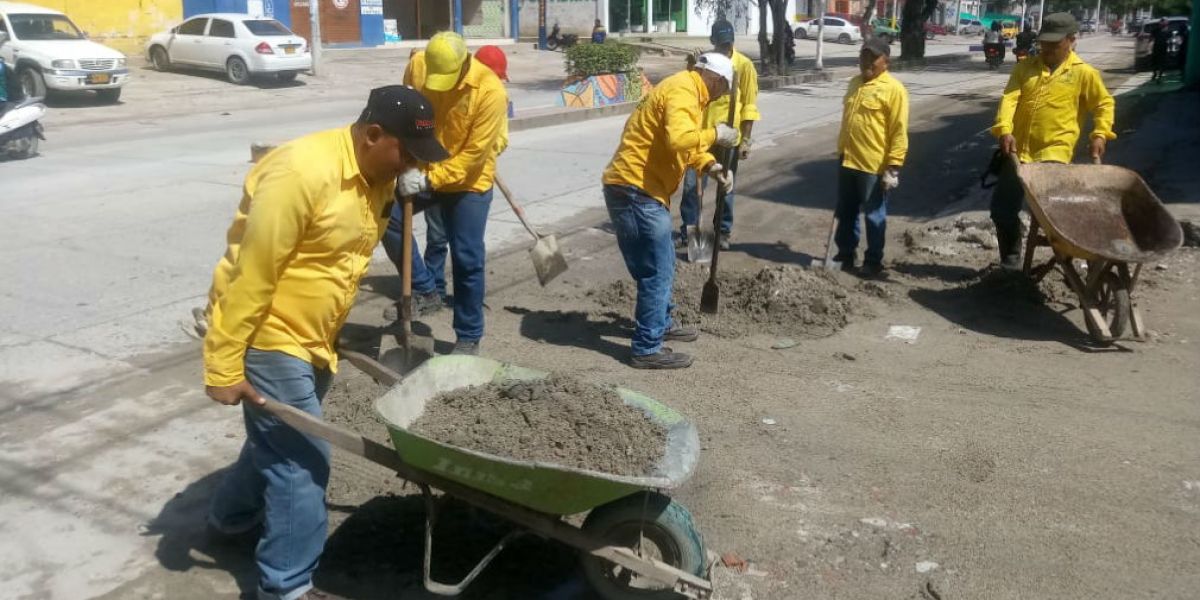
<point>868,12</point>
<point>912,27</point>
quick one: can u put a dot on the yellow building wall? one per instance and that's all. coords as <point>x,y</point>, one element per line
<point>121,24</point>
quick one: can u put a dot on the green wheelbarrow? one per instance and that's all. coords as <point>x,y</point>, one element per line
<point>635,542</point>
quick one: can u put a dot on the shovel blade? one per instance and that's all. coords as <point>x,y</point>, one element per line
<point>710,298</point>
<point>548,259</point>
<point>700,247</point>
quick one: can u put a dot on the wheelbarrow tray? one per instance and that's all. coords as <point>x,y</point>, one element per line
<point>545,487</point>
<point>1099,212</point>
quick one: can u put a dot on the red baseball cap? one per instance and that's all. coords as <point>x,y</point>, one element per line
<point>494,58</point>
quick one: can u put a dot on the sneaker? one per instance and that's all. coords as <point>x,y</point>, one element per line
<point>872,270</point>
<point>466,348</point>
<point>664,359</point>
<point>680,333</point>
<point>724,241</point>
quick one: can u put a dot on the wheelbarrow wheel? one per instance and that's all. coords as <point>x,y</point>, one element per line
<point>1113,303</point>
<point>667,534</point>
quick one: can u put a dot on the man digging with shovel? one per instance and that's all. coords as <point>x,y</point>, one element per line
<point>662,137</point>
<point>312,212</point>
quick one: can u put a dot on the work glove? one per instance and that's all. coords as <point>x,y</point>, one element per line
<point>721,176</point>
<point>412,182</point>
<point>727,136</point>
<point>744,148</point>
<point>891,179</point>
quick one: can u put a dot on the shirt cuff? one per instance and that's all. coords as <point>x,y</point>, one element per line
<point>1001,130</point>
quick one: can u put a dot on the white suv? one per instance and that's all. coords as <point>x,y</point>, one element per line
<point>48,52</point>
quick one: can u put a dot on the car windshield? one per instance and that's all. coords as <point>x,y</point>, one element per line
<point>44,27</point>
<point>263,27</point>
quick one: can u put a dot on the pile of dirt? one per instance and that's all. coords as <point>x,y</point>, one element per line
<point>964,235</point>
<point>995,285</point>
<point>554,420</point>
<point>778,300</point>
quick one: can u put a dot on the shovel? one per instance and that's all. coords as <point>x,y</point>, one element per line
<point>413,350</point>
<point>710,296</point>
<point>548,260</point>
<point>700,241</point>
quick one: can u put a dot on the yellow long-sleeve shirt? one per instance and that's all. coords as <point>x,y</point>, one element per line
<point>301,240</point>
<point>663,137</point>
<point>470,121</point>
<point>1044,110</point>
<point>874,131</point>
<point>747,97</point>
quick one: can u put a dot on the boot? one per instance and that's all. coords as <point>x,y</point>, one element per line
<point>1009,241</point>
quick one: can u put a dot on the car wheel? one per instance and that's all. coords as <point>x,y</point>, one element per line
<point>237,71</point>
<point>286,76</point>
<point>32,84</point>
<point>160,59</point>
<point>929,35</point>
<point>802,33</point>
<point>843,38</point>
<point>109,96</point>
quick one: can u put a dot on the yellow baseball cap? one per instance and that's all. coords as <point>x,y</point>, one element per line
<point>444,57</point>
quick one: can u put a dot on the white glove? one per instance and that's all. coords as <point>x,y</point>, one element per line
<point>412,182</point>
<point>721,176</point>
<point>891,179</point>
<point>727,136</point>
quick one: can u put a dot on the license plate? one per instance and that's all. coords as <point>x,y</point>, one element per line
<point>289,50</point>
<point>98,78</point>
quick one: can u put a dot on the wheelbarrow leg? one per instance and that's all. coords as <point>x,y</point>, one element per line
<point>443,589</point>
<point>1136,327</point>
<point>1091,315</point>
<point>1031,244</point>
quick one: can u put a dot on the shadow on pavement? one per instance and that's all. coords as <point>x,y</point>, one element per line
<point>778,252</point>
<point>576,329</point>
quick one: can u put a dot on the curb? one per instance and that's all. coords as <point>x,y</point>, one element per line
<point>921,63</point>
<point>776,82</point>
<point>567,115</point>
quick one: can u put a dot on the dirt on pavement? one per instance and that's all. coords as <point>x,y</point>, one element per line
<point>558,419</point>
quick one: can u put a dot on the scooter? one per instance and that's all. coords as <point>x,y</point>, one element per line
<point>557,39</point>
<point>20,129</point>
<point>1023,52</point>
<point>994,55</point>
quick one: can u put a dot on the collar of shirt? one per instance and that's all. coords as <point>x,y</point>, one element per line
<point>1072,60</point>
<point>350,168</point>
<point>475,74</point>
<point>701,89</point>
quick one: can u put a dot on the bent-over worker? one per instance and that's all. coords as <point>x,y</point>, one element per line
<point>1039,121</point>
<point>662,137</point>
<point>873,143</point>
<point>311,214</point>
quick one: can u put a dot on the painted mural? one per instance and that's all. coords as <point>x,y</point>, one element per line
<point>603,90</point>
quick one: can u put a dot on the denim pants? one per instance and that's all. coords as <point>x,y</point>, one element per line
<point>425,279</point>
<point>1008,197</point>
<point>643,227</point>
<point>689,207</point>
<point>437,246</point>
<point>279,478</point>
<point>859,190</point>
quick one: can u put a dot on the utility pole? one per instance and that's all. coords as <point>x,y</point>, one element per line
<point>957,16</point>
<point>1098,16</point>
<point>541,24</point>
<point>1041,14</point>
<point>314,19</point>
<point>820,62</point>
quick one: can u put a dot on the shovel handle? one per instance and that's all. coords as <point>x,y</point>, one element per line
<point>517,210</point>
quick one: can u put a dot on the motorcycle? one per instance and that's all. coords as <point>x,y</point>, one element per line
<point>1023,52</point>
<point>994,55</point>
<point>557,39</point>
<point>21,129</point>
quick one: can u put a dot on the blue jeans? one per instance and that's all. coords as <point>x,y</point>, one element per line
<point>279,478</point>
<point>643,227</point>
<point>860,190</point>
<point>425,279</point>
<point>437,246</point>
<point>689,207</point>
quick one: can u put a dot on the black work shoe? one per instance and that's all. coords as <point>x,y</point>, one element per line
<point>680,333</point>
<point>664,359</point>
<point>423,305</point>
<point>723,241</point>
<point>872,270</point>
<point>1011,262</point>
<point>846,261</point>
<point>682,241</point>
<point>466,348</point>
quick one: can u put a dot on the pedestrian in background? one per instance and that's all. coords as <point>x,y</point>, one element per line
<point>599,33</point>
<point>470,113</point>
<point>873,143</point>
<point>1160,38</point>
<point>311,214</point>
<point>1039,120</point>
<point>745,114</point>
<point>664,136</point>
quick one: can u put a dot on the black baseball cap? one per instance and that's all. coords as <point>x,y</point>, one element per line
<point>878,47</point>
<point>403,112</point>
<point>722,33</point>
<point>1057,26</point>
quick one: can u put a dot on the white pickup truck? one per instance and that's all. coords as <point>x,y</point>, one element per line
<point>49,53</point>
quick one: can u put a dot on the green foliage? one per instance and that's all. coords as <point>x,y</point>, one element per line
<point>585,60</point>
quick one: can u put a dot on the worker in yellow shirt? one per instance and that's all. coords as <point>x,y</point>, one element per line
<point>873,143</point>
<point>745,115</point>
<point>312,212</point>
<point>471,116</point>
<point>663,136</point>
<point>1039,121</point>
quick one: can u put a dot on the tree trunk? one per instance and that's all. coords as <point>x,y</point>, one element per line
<point>764,49</point>
<point>867,30</point>
<point>778,9</point>
<point>912,28</point>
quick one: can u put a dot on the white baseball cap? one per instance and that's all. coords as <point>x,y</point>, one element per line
<point>717,63</point>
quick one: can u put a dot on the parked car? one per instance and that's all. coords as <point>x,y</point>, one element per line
<point>883,30</point>
<point>1009,29</point>
<point>1087,26</point>
<point>50,54</point>
<point>933,29</point>
<point>240,45</point>
<point>836,29</point>
<point>970,27</point>
<point>1144,46</point>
